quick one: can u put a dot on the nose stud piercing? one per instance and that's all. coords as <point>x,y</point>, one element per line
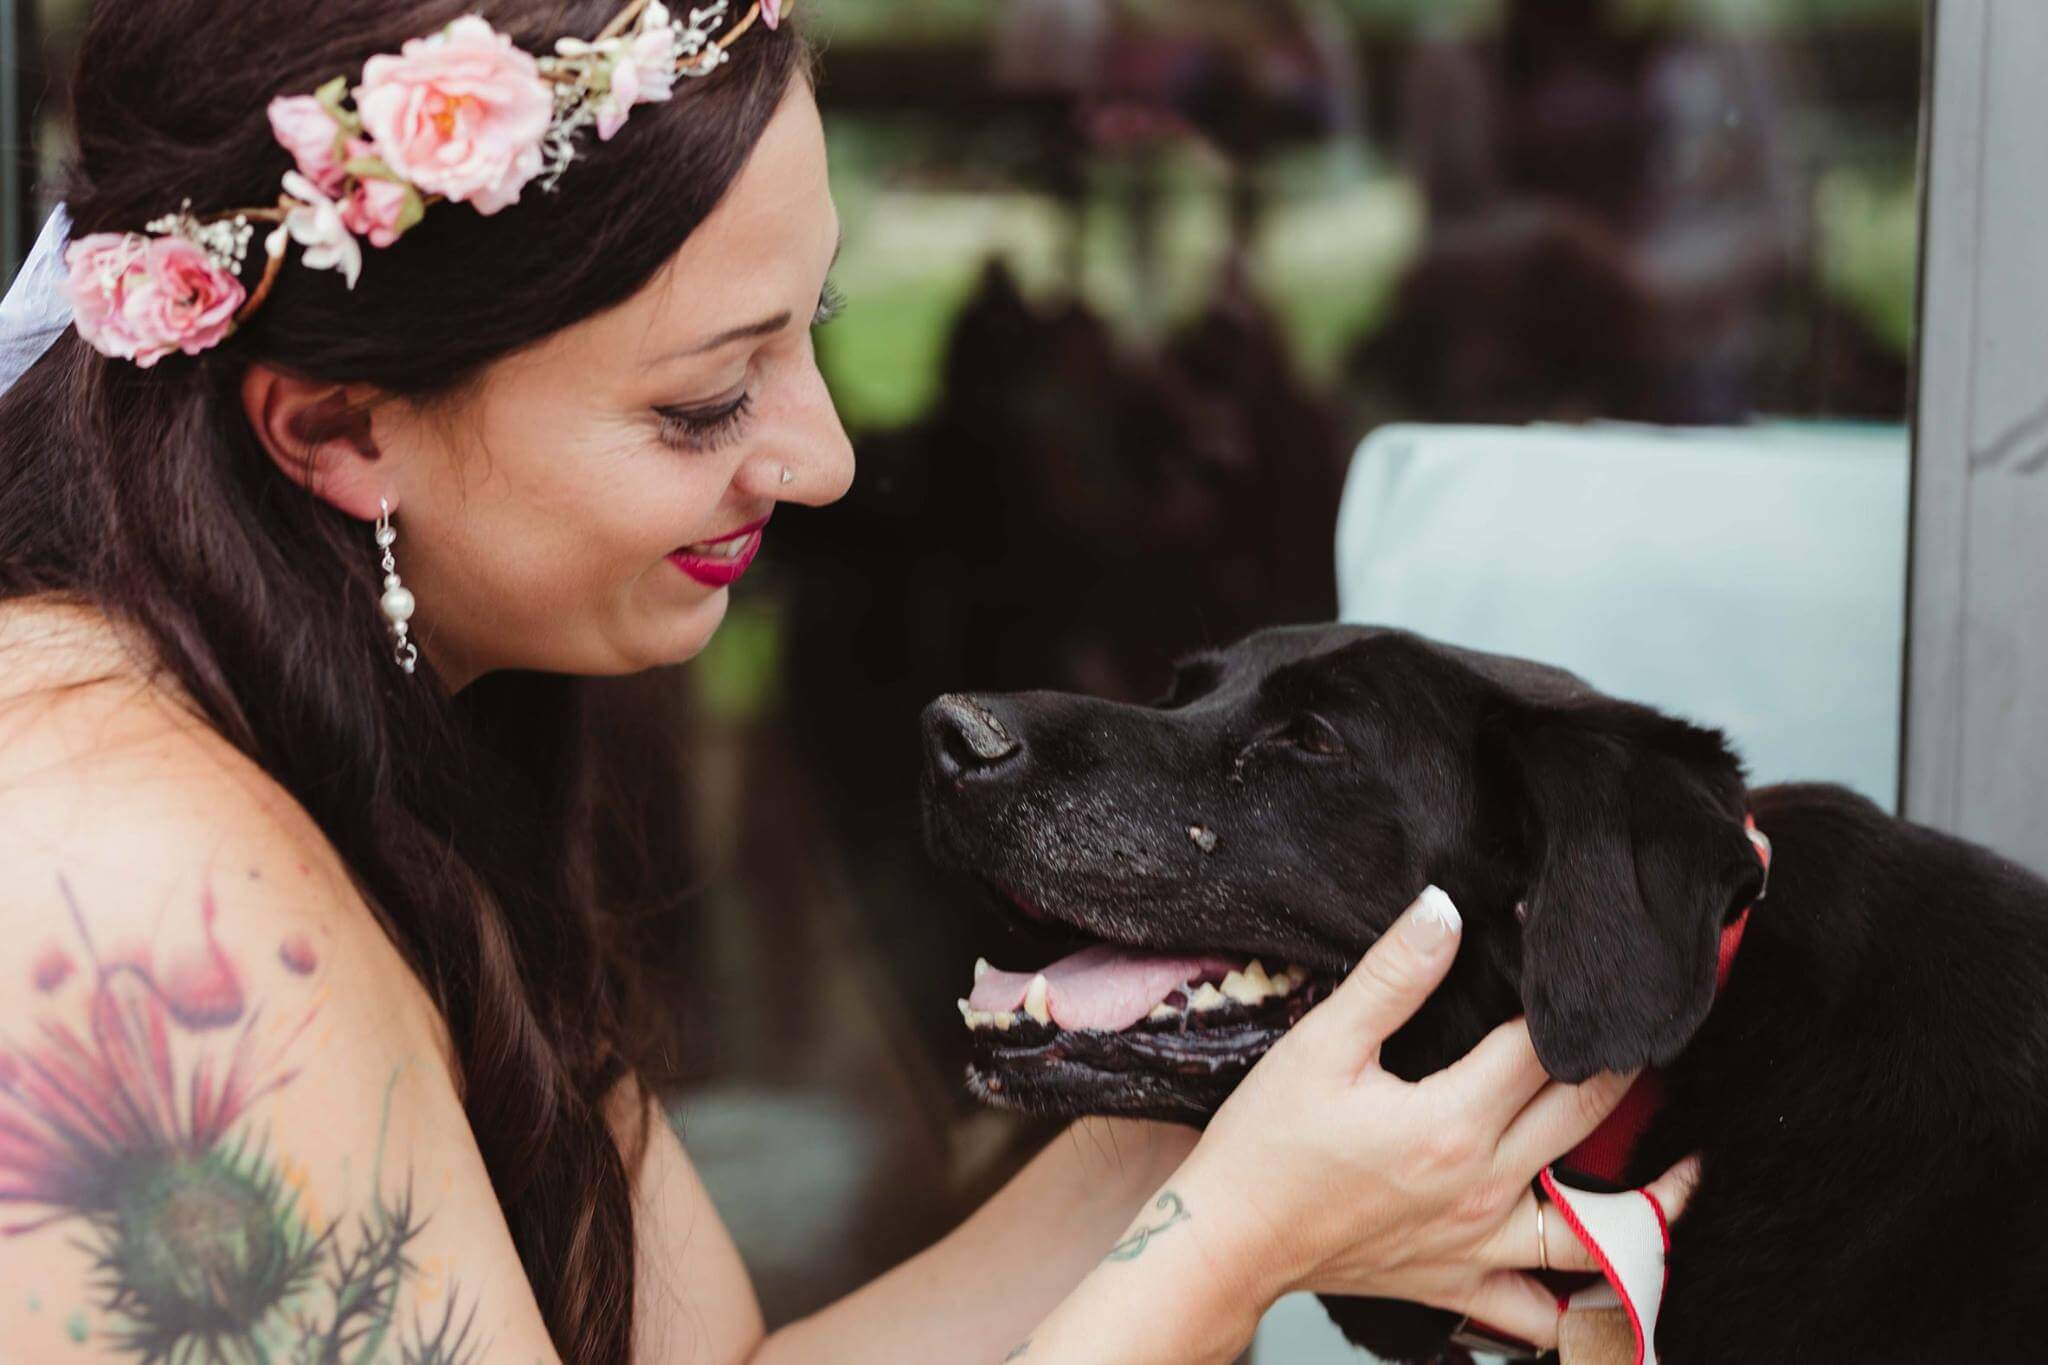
<point>788,475</point>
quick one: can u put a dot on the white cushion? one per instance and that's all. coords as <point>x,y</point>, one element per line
<point>1750,579</point>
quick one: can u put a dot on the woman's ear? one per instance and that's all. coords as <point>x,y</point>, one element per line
<point>1641,857</point>
<point>319,433</point>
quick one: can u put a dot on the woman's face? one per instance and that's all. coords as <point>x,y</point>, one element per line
<point>586,508</point>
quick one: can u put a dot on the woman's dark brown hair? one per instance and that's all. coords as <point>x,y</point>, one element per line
<point>465,822</point>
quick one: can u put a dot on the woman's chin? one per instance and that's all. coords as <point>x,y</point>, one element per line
<point>682,635</point>
<point>672,635</point>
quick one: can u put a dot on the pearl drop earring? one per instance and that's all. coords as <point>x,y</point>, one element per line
<point>397,602</point>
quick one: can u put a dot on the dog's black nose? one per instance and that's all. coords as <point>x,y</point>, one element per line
<point>962,737</point>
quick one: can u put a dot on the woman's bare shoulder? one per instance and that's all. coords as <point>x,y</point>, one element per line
<point>114,787</point>
<point>99,750</point>
<point>231,1127</point>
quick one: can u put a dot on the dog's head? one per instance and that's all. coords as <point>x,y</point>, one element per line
<point>1231,851</point>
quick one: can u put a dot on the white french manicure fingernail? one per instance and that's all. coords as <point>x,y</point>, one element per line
<point>1432,918</point>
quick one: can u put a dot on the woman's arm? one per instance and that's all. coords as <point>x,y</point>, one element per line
<point>978,1292</point>
<point>1172,1288</point>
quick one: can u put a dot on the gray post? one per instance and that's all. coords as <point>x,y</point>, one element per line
<point>1976,722</point>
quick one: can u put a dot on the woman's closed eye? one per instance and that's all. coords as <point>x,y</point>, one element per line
<point>705,428</point>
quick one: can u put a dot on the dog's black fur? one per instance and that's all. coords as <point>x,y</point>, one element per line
<point>1869,1093</point>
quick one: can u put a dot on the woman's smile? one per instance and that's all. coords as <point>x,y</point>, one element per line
<point>719,563</point>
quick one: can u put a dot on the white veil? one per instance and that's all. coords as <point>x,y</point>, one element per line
<point>36,310</point>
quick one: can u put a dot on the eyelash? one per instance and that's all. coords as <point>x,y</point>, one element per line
<point>704,429</point>
<point>831,303</point>
<point>708,429</point>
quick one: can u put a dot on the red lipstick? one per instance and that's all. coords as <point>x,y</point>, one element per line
<point>719,563</point>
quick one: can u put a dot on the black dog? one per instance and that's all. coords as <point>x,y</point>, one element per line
<point>1869,1092</point>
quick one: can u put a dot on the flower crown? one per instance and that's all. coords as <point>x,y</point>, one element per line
<point>461,115</point>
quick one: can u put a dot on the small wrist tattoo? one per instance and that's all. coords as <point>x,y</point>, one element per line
<point>1134,1243</point>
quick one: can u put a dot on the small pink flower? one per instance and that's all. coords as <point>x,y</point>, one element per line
<point>645,72</point>
<point>460,114</point>
<point>141,298</point>
<point>771,13</point>
<point>103,267</point>
<point>297,954</point>
<point>312,136</point>
<point>376,206</point>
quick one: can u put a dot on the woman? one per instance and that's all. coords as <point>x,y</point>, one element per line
<point>324,1053</point>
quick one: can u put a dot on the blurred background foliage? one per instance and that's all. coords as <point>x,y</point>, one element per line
<point>930,198</point>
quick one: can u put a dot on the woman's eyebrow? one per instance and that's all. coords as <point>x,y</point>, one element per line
<point>765,327</point>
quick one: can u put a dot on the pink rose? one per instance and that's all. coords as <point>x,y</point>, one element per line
<point>188,303</point>
<point>375,208</point>
<point>141,298</point>
<point>460,114</point>
<point>311,135</point>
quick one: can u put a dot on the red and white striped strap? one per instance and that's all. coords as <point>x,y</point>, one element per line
<point>1628,1236</point>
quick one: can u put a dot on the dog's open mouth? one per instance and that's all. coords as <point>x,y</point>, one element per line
<point>1113,1029</point>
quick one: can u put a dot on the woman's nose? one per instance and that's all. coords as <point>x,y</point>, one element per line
<point>807,457</point>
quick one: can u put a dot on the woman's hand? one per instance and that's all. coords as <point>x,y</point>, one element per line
<point>1333,1175</point>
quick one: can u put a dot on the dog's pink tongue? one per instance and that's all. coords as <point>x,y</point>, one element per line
<point>1104,987</point>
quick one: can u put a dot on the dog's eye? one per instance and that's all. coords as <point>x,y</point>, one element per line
<point>1312,734</point>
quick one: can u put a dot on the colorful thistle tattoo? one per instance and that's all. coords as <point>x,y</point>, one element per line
<point>134,1133</point>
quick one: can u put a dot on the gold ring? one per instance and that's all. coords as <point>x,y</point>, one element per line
<point>1542,1242</point>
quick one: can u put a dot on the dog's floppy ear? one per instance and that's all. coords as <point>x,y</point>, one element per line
<point>1639,856</point>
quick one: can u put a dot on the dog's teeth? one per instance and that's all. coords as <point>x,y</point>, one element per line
<point>1207,997</point>
<point>980,1019</point>
<point>981,968</point>
<point>1164,1011</point>
<point>1249,986</point>
<point>1034,1000</point>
